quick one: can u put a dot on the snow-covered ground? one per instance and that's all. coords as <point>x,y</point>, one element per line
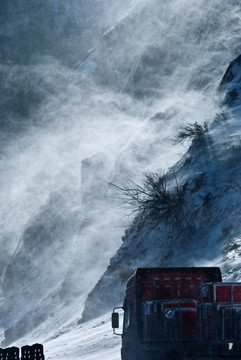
<point>93,340</point>
<point>65,339</point>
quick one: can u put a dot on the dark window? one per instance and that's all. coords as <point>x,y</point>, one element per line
<point>128,316</point>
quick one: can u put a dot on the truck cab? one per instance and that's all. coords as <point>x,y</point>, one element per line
<point>178,313</point>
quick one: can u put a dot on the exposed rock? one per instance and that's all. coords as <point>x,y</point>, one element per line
<point>231,83</point>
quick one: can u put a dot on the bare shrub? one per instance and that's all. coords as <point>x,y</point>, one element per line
<point>151,199</point>
<point>191,131</point>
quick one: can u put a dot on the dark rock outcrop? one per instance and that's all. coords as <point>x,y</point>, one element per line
<point>231,83</point>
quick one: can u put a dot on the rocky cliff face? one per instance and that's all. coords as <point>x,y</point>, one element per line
<point>230,84</point>
<point>205,229</point>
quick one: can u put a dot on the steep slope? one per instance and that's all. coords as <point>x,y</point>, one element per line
<point>91,341</point>
<point>114,117</point>
<point>204,231</point>
<point>203,226</point>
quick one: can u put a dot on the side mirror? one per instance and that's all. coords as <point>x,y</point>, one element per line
<point>115,320</point>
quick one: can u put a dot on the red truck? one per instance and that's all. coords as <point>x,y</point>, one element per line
<point>180,313</point>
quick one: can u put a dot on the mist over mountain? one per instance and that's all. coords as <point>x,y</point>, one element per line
<point>66,30</point>
<point>93,94</point>
<point>202,226</point>
<point>41,43</point>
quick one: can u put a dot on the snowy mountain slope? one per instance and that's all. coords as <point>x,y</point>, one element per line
<point>206,224</point>
<point>93,340</point>
<point>115,123</point>
<point>54,228</point>
<point>210,235</point>
<point>231,83</point>
<point>65,339</point>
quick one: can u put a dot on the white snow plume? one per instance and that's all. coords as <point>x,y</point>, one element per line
<point>199,225</point>
<point>156,70</point>
<point>64,29</point>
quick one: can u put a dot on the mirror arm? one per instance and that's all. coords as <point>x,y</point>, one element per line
<point>118,307</point>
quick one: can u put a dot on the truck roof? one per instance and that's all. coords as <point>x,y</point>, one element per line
<point>214,273</point>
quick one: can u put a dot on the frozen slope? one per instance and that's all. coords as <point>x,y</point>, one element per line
<point>60,220</point>
<point>93,340</point>
<point>203,225</point>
